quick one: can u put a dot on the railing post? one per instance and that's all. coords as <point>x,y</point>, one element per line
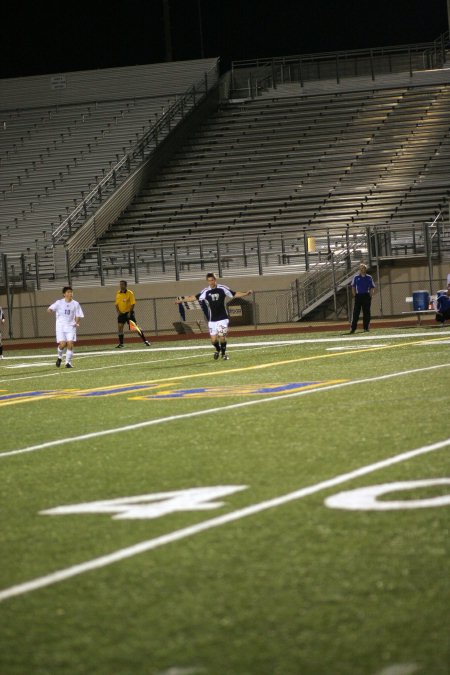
<point>36,265</point>
<point>337,69</point>
<point>427,242</point>
<point>9,302</point>
<point>258,248</point>
<point>136,271</point>
<point>100,266</point>
<point>250,85</point>
<point>274,75</point>
<point>372,68</point>
<point>23,271</point>
<point>69,273</point>
<point>297,288</point>
<point>305,248</point>
<point>219,259</point>
<point>347,242</point>
<point>333,274</point>
<point>155,316</point>
<point>175,259</point>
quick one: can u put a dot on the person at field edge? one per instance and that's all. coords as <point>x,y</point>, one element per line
<point>214,296</point>
<point>68,314</point>
<point>125,302</point>
<point>443,307</point>
<point>362,290</point>
<point>2,320</point>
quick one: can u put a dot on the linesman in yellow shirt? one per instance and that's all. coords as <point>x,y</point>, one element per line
<point>125,302</point>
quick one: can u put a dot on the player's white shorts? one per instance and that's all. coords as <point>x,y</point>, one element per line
<point>218,327</point>
<point>66,334</point>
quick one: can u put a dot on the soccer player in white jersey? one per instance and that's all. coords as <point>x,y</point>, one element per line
<point>68,314</point>
<point>214,296</point>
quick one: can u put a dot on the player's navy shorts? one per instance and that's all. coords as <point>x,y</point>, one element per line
<point>123,318</point>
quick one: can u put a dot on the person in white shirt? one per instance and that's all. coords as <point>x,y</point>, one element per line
<point>68,314</point>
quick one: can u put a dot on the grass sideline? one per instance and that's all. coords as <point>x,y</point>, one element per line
<point>264,579</point>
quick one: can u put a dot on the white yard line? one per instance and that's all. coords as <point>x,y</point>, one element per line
<point>150,544</point>
<point>233,345</point>
<point>208,411</point>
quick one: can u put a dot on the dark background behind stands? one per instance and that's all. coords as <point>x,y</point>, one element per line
<point>55,37</point>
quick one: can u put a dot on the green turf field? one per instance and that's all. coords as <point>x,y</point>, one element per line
<point>167,514</point>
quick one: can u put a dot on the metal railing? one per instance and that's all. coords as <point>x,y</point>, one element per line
<point>379,244</point>
<point>137,155</point>
<point>250,77</point>
<point>291,251</point>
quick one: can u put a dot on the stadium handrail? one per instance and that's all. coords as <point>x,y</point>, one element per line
<point>135,156</point>
<point>252,75</point>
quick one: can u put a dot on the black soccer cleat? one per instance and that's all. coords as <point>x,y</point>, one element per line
<point>119,346</point>
<point>69,365</point>
<point>146,343</point>
<point>58,362</point>
<point>216,356</point>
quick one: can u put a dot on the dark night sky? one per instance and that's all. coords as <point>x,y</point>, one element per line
<point>54,37</point>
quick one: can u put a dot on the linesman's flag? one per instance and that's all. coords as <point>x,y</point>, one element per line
<point>135,327</point>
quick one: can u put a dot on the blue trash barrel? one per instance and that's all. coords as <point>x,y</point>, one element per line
<point>421,300</point>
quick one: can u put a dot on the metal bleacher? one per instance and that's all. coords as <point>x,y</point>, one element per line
<point>248,187</point>
<point>286,164</point>
<point>54,154</point>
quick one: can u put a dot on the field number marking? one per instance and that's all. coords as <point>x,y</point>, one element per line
<point>366,498</point>
<point>152,505</point>
<point>233,516</point>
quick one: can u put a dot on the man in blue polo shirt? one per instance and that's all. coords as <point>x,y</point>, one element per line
<point>362,291</point>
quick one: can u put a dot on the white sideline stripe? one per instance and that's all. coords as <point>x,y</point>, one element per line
<point>207,411</point>
<point>206,345</point>
<point>151,544</point>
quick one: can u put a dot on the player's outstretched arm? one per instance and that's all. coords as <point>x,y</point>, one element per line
<point>242,294</point>
<point>185,298</point>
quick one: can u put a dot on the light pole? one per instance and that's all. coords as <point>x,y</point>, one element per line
<point>200,27</point>
<point>167,30</point>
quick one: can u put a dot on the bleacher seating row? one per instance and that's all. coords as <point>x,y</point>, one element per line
<point>342,159</point>
<point>53,154</point>
<point>321,160</point>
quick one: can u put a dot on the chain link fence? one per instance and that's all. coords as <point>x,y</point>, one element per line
<point>156,316</point>
<point>161,316</point>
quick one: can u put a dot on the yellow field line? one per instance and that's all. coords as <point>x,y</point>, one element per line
<point>271,364</point>
<point>175,378</point>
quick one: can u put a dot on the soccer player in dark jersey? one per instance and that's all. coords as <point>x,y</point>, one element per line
<point>213,297</point>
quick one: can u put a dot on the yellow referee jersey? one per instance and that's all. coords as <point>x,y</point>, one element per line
<point>125,301</point>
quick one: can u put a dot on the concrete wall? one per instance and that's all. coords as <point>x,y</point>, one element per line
<point>157,311</point>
